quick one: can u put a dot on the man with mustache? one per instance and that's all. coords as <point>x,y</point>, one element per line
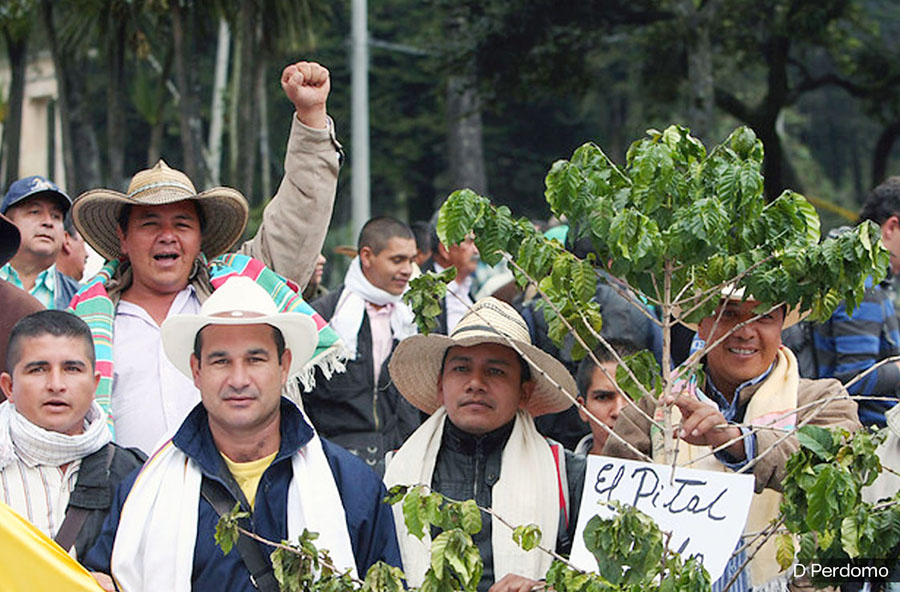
<point>165,247</point>
<point>482,386</point>
<point>37,207</point>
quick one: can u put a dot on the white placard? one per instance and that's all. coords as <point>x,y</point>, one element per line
<point>704,510</point>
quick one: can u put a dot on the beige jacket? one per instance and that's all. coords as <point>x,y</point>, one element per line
<point>770,470</point>
<point>296,220</point>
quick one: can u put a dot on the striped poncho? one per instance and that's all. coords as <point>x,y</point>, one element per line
<point>93,304</point>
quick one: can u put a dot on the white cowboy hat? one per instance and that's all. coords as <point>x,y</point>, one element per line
<point>239,301</point>
<point>416,363</point>
<point>792,315</point>
<point>224,210</point>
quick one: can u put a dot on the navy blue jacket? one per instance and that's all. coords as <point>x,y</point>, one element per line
<point>369,520</point>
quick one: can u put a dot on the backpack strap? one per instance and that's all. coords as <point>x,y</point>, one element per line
<point>562,478</point>
<point>261,574</point>
<point>76,517</point>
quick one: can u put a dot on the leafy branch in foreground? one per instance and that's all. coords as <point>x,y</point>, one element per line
<point>823,503</point>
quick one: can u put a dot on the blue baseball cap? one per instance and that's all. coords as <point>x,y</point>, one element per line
<point>29,187</point>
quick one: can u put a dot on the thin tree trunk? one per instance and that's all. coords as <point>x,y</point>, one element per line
<point>247,109</point>
<point>217,110</point>
<point>115,114</point>
<point>701,87</point>
<point>882,152</point>
<point>233,145</point>
<point>60,67</point>
<point>157,128</point>
<point>265,168</point>
<point>185,105</point>
<point>12,129</point>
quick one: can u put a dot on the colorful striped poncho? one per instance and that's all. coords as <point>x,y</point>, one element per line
<point>93,304</point>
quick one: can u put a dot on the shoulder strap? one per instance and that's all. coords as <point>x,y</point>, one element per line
<point>76,517</point>
<point>259,566</point>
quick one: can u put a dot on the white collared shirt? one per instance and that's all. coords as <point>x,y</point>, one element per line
<point>150,397</point>
<point>39,493</point>
<point>458,305</point>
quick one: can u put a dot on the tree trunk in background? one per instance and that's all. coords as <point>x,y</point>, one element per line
<point>62,100</point>
<point>157,128</point>
<point>115,112</point>
<point>701,87</point>
<point>248,135</point>
<point>12,129</point>
<point>265,165</point>
<point>882,152</point>
<point>217,109</point>
<point>185,104</point>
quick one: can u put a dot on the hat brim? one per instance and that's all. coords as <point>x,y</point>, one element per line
<point>224,210</point>
<point>792,317</point>
<point>9,239</point>
<point>299,332</point>
<point>415,367</point>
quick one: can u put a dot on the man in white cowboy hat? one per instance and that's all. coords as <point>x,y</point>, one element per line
<point>482,385</point>
<point>163,243</point>
<point>16,303</point>
<point>37,207</point>
<point>244,443</point>
<point>751,382</point>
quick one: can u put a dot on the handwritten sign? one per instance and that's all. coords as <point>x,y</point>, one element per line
<point>704,510</point>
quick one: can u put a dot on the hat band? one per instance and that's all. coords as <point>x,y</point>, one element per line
<point>175,184</point>
<point>486,328</point>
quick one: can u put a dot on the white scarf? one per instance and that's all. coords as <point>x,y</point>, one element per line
<point>771,406</point>
<point>34,445</point>
<point>161,556</point>
<point>348,314</point>
<point>527,492</point>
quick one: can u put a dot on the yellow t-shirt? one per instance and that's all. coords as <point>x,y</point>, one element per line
<point>248,474</point>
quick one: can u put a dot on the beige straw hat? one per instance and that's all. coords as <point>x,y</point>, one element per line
<point>239,301</point>
<point>224,210</point>
<point>416,363</point>
<point>791,317</point>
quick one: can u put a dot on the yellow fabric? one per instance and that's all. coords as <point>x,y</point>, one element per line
<point>30,561</point>
<point>248,474</point>
<point>775,398</point>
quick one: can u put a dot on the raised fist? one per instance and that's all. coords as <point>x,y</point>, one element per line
<point>307,85</point>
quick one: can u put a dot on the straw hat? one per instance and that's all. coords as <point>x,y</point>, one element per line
<point>224,210</point>
<point>239,301</point>
<point>792,317</point>
<point>416,363</point>
<point>9,239</point>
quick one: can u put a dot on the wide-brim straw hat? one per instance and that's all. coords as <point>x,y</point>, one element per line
<point>729,292</point>
<point>239,301</point>
<point>224,210</point>
<point>9,239</point>
<point>416,363</point>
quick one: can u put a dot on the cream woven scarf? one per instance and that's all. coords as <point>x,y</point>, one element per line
<point>771,406</point>
<point>525,493</point>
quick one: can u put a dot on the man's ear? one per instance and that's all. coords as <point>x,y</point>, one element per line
<point>581,413</point>
<point>285,362</point>
<point>365,256</point>
<point>6,385</point>
<point>121,236</point>
<point>704,327</point>
<point>440,389</point>
<point>195,369</point>
<point>66,244</point>
<point>527,389</point>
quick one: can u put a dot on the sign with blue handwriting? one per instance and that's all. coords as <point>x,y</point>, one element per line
<point>704,510</point>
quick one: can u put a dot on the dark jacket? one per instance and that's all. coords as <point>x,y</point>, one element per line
<point>370,522</point>
<point>98,478</point>
<point>66,287</point>
<point>350,410</point>
<point>848,344</point>
<point>467,467</point>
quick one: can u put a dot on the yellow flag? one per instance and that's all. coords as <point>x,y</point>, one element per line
<point>30,560</point>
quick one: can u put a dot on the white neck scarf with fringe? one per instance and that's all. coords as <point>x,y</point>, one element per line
<point>154,544</point>
<point>772,405</point>
<point>526,493</point>
<point>348,314</point>
<point>36,446</point>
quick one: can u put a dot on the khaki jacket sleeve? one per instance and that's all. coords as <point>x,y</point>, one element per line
<point>634,428</point>
<point>769,470</point>
<point>296,220</point>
